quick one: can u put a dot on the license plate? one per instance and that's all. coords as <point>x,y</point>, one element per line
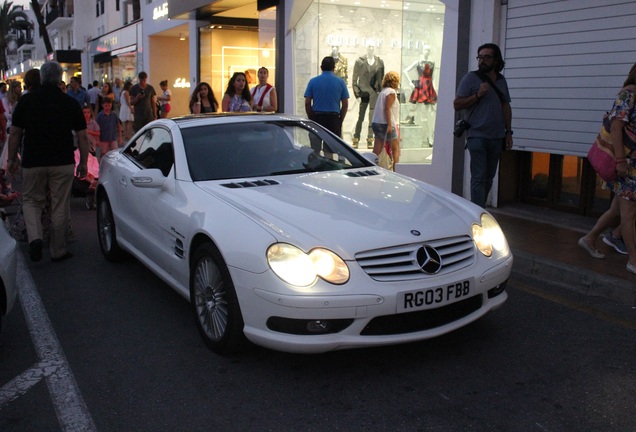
<point>423,299</point>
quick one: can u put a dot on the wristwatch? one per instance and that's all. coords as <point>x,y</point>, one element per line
<point>509,132</point>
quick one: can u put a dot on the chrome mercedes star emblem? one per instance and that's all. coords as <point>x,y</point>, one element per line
<point>429,260</point>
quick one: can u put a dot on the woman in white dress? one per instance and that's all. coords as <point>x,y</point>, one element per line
<point>264,96</point>
<point>126,115</point>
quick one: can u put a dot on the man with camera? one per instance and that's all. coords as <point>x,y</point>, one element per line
<point>484,97</point>
<point>144,100</point>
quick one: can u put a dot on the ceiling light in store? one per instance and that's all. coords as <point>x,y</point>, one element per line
<point>181,37</point>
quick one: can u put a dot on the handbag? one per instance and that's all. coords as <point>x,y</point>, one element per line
<point>385,159</point>
<point>601,155</point>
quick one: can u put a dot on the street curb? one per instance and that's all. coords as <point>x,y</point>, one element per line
<point>572,278</point>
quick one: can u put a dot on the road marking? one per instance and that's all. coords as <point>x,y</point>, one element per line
<point>27,379</point>
<point>71,411</point>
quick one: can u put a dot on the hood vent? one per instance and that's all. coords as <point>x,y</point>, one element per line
<point>365,173</point>
<point>248,184</point>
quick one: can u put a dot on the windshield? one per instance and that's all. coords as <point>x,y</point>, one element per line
<point>256,149</point>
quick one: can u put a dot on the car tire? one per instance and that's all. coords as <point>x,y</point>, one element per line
<point>214,302</point>
<point>106,230</point>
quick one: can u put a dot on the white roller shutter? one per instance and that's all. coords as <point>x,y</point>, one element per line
<point>565,62</point>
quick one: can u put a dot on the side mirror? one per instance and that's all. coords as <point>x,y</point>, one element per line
<point>148,178</point>
<point>371,157</point>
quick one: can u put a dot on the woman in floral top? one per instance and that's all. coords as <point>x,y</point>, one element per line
<point>237,97</point>
<point>619,129</point>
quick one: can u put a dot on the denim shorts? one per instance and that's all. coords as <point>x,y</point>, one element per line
<point>379,130</point>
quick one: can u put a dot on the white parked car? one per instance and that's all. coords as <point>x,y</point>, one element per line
<point>279,232</point>
<point>8,265</point>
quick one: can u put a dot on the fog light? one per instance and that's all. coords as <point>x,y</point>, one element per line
<point>307,327</point>
<point>494,292</point>
<point>318,326</point>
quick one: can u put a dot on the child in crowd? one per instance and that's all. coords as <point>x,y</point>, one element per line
<point>92,129</point>
<point>110,132</point>
<point>7,195</point>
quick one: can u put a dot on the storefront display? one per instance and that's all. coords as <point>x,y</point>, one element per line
<point>406,38</point>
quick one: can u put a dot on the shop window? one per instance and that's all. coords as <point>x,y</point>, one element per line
<point>405,37</point>
<point>563,182</point>
<point>539,186</point>
<point>229,49</point>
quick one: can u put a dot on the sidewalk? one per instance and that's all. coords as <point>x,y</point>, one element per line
<point>544,244</point>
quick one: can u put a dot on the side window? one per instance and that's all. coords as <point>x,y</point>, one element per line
<point>153,150</point>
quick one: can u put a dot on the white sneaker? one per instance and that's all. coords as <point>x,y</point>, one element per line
<point>595,253</point>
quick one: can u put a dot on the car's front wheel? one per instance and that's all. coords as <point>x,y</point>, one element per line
<point>214,302</point>
<point>106,230</point>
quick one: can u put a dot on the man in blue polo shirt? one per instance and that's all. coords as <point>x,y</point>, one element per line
<point>330,98</point>
<point>77,92</point>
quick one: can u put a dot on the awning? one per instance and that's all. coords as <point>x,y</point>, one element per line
<point>68,56</point>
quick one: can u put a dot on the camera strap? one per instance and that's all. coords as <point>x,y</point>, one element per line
<point>487,79</point>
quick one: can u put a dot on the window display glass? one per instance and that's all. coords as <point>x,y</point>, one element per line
<point>367,40</point>
<point>229,49</point>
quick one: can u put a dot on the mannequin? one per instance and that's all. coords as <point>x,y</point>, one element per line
<point>341,63</point>
<point>423,96</point>
<point>368,72</point>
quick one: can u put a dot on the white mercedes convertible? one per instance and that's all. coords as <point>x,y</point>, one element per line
<point>280,233</point>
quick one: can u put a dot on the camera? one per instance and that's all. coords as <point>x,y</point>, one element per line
<point>460,127</point>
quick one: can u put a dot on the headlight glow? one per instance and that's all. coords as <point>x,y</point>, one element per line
<point>329,266</point>
<point>300,269</point>
<point>488,236</point>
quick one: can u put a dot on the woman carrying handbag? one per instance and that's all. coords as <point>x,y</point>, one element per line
<point>618,134</point>
<point>384,123</point>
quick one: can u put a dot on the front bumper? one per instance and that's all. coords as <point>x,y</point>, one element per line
<point>326,322</point>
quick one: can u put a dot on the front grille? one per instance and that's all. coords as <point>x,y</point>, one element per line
<point>411,322</point>
<point>400,263</point>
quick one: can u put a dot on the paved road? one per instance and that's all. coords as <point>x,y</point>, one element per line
<point>101,346</point>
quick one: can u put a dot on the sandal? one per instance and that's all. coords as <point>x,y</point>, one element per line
<point>595,253</point>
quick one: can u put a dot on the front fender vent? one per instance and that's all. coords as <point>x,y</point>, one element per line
<point>249,184</point>
<point>179,250</point>
<point>365,173</point>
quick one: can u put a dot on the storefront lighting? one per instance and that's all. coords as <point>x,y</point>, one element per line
<point>181,37</point>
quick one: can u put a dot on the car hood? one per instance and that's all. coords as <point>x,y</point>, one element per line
<point>348,211</point>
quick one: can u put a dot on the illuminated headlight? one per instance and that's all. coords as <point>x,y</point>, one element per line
<point>488,236</point>
<point>301,269</point>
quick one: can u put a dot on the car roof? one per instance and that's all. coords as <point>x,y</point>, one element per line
<point>233,117</point>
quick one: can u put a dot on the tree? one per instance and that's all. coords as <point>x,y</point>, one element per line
<point>37,10</point>
<point>12,20</point>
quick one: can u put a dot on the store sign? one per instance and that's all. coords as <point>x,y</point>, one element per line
<point>181,83</point>
<point>352,41</point>
<point>160,12</point>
